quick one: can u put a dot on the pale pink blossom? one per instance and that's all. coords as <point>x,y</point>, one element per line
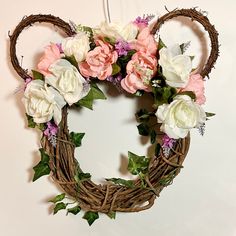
<point>145,42</point>
<point>98,62</point>
<point>140,70</point>
<point>196,85</point>
<point>51,54</point>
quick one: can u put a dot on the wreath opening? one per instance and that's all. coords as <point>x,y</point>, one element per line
<point>136,63</point>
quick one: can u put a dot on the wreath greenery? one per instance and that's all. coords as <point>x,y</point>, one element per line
<point>135,61</point>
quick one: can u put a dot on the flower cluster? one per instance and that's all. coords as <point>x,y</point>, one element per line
<point>131,58</point>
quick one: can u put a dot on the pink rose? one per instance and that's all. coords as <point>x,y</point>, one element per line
<point>145,42</point>
<point>51,54</point>
<point>196,85</point>
<point>140,70</point>
<point>98,62</point>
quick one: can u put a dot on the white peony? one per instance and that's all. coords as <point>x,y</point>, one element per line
<point>117,31</point>
<point>181,115</point>
<point>42,102</point>
<point>67,80</point>
<point>77,46</point>
<point>176,67</point>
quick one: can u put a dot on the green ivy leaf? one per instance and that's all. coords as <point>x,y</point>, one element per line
<point>42,168</point>
<point>137,164</point>
<point>80,176</point>
<point>58,198</point>
<point>31,123</point>
<point>143,115</point>
<point>161,44</point>
<point>76,138</point>
<point>112,214</point>
<point>74,210</point>
<point>143,129</point>
<point>94,94</point>
<point>115,69</point>
<point>122,182</point>
<point>163,95</point>
<point>188,93</point>
<point>153,136</point>
<point>59,206</point>
<point>91,217</point>
<point>37,75</point>
<point>72,60</point>
<point>209,114</point>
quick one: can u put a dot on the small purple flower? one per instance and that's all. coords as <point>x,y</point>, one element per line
<point>59,45</point>
<point>122,47</point>
<point>51,129</point>
<point>116,81</point>
<point>168,142</point>
<point>142,22</point>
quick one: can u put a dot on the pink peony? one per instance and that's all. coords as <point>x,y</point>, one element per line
<point>51,54</point>
<point>196,85</point>
<point>145,42</point>
<point>140,70</point>
<point>98,62</point>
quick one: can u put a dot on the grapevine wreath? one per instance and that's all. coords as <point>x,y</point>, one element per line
<point>136,61</point>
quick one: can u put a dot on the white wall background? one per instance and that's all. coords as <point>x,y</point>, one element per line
<point>202,200</point>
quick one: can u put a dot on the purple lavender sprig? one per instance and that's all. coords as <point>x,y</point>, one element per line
<point>122,47</point>
<point>51,132</point>
<point>167,144</point>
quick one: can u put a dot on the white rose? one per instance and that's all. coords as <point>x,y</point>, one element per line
<point>42,102</point>
<point>117,31</point>
<point>77,46</point>
<point>175,66</point>
<point>181,115</point>
<point>129,32</point>
<point>67,80</point>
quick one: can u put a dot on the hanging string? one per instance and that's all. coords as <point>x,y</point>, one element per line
<point>107,10</point>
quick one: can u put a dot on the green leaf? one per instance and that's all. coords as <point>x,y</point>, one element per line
<point>115,69</point>
<point>157,149</point>
<point>79,177</point>
<point>139,93</point>
<point>72,60</point>
<point>153,136</point>
<point>94,94</point>
<point>188,93</point>
<point>161,44</point>
<point>209,114</point>
<point>59,206</point>
<point>58,198</point>
<point>31,123</point>
<point>74,210</point>
<point>192,57</point>
<point>163,95</point>
<point>143,129</point>
<point>91,217</point>
<point>143,115</point>
<point>111,41</point>
<point>137,164</point>
<point>112,214</point>
<point>97,92</point>
<point>76,138</point>
<point>122,182</point>
<point>42,168</point>
<point>37,75</point>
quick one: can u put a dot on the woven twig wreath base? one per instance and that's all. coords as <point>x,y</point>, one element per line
<point>110,197</point>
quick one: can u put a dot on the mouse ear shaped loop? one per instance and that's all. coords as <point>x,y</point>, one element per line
<point>29,21</point>
<point>204,21</point>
